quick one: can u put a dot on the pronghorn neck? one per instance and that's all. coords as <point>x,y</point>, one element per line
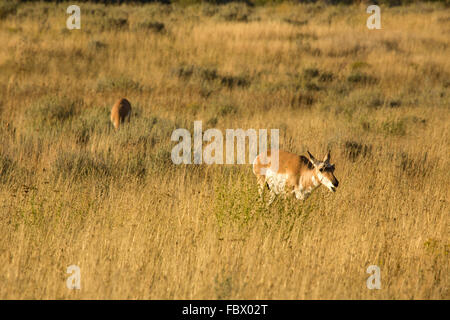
<point>315,179</point>
<point>309,180</point>
<point>307,184</point>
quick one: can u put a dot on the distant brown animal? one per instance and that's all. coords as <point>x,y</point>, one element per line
<point>120,111</point>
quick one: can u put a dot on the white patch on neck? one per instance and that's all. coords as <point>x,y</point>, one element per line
<point>315,183</point>
<point>327,183</point>
<point>302,193</point>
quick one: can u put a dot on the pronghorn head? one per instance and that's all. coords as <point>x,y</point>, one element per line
<point>324,171</point>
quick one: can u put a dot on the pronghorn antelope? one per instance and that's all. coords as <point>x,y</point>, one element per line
<point>120,111</point>
<point>295,174</point>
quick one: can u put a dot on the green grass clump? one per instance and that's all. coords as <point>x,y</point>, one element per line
<point>80,165</point>
<point>52,112</point>
<point>119,83</point>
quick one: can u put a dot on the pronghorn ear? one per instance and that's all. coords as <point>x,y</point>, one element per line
<point>327,157</point>
<point>311,158</point>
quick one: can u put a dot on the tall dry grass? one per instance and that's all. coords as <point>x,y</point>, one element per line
<point>72,191</point>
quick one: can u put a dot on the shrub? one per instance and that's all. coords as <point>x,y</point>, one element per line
<point>209,10</point>
<point>7,8</point>
<point>80,165</point>
<point>124,83</point>
<point>145,134</point>
<point>326,77</point>
<point>135,166</point>
<point>433,72</point>
<point>227,109</point>
<point>232,81</point>
<point>417,166</point>
<point>390,45</point>
<point>97,12</point>
<point>359,77</point>
<point>234,12</point>
<point>305,80</point>
<point>153,26</point>
<point>115,24</point>
<point>346,52</point>
<point>212,122</point>
<point>359,65</point>
<point>301,100</point>
<point>82,133</point>
<point>92,120</point>
<point>51,112</point>
<point>296,22</point>
<point>394,127</point>
<point>310,73</point>
<point>96,45</point>
<point>162,129</point>
<point>184,72</point>
<point>353,150</point>
<point>161,160</point>
<point>7,166</point>
<point>233,208</point>
<point>208,74</point>
<point>395,103</point>
<point>202,73</point>
<point>311,86</point>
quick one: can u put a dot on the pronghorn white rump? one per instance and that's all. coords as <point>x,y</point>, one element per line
<point>295,174</point>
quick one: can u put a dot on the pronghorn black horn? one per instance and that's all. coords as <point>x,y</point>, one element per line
<point>311,157</point>
<point>327,157</point>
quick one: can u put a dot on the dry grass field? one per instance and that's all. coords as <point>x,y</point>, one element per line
<point>75,191</point>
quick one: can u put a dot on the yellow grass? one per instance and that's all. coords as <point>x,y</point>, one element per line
<point>72,191</point>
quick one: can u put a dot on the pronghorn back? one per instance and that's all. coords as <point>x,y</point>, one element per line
<point>120,111</point>
<point>288,163</point>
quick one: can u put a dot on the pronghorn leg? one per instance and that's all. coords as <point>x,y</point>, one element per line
<point>298,194</point>
<point>271,197</point>
<point>293,194</point>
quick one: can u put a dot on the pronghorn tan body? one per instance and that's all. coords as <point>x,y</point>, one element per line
<point>293,174</point>
<point>120,111</point>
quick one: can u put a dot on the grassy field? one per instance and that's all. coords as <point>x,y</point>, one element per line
<point>74,191</point>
